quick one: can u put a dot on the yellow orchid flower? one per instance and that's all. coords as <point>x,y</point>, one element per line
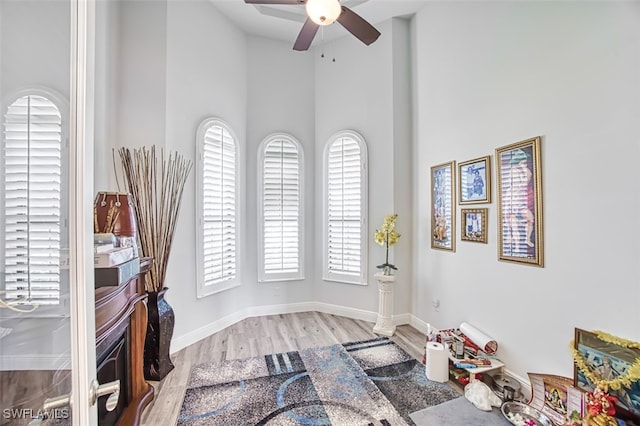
<point>387,236</point>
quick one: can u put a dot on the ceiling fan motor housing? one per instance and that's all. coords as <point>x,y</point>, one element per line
<point>323,12</point>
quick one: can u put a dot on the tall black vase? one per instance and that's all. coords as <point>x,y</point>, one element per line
<point>157,363</point>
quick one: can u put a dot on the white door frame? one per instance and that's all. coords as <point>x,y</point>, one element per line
<point>83,341</point>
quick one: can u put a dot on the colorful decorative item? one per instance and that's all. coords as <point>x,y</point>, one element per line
<point>556,397</point>
<point>608,369</point>
<point>387,236</point>
<point>601,408</point>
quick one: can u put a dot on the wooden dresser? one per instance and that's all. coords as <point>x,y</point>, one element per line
<point>121,325</point>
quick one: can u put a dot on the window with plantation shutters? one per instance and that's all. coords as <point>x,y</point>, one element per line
<point>32,187</point>
<point>280,215</point>
<point>345,209</point>
<point>217,199</point>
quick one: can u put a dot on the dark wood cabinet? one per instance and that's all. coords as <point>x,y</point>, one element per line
<point>121,326</point>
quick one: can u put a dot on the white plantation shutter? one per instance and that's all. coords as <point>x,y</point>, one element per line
<point>218,233</point>
<point>32,201</point>
<point>281,213</point>
<point>345,209</point>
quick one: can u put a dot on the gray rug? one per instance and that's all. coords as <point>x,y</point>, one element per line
<point>458,412</point>
<point>372,382</point>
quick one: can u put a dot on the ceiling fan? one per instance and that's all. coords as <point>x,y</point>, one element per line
<point>326,12</point>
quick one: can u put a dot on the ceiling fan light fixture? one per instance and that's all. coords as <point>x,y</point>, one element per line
<point>323,12</point>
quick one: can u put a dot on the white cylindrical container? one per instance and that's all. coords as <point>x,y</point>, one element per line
<point>437,368</point>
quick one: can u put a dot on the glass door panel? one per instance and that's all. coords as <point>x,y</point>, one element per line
<point>38,157</point>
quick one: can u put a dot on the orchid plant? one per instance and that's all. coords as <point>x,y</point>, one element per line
<point>387,236</point>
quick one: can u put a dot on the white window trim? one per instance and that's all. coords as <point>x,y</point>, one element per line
<point>62,308</point>
<point>292,276</point>
<point>202,289</point>
<point>326,274</point>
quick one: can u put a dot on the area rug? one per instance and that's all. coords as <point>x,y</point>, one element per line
<point>372,382</point>
<point>458,412</point>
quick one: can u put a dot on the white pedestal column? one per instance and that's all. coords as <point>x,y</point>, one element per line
<point>384,324</point>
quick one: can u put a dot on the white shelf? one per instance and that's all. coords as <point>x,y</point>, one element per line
<point>496,364</point>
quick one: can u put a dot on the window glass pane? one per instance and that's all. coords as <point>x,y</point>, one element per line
<point>219,205</point>
<point>344,208</point>
<point>32,153</point>
<point>281,208</point>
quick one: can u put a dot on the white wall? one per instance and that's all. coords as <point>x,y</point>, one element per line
<point>490,74</point>
<point>131,83</point>
<point>357,92</point>
<point>280,99</point>
<point>107,80</point>
<point>140,97</point>
<point>35,47</point>
<point>206,75</point>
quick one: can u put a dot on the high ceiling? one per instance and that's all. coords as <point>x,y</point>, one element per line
<point>283,22</point>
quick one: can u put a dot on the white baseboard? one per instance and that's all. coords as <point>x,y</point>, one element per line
<point>402,319</point>
<point>181,342</point>
<point>419,324</point>
<point>285,308</point>
<point>344,311</point>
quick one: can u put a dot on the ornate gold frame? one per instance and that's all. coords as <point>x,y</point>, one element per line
<point>477,165</point>
<point>470,231</point>
<point>519,183</point>
<point>443,206</point>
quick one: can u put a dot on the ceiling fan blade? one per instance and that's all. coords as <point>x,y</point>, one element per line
<point>357,26</point>
<point>307,33</point>
<point>274,1</point>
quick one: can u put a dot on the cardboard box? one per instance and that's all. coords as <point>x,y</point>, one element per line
<point>116,275</point>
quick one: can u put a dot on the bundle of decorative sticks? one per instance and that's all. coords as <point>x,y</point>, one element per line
<point>156,186</point>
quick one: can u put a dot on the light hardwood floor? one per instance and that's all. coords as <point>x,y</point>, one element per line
<point>262,336</point>
<point>24,390</point>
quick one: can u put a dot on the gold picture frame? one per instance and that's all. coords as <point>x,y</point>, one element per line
<point>608,360</point>
<point>519,182</point>
<point>443,206</point>
<point>474,225</point>
<point>474,181</point>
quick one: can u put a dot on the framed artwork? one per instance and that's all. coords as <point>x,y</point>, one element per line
<point>519,181</point>
<point>556,397</point>
<point>474,225</point>
<point>474,181</point>
<point>608,361</point>
<point>443,202</point>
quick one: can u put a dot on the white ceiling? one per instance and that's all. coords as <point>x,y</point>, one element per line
<point>283,22</point>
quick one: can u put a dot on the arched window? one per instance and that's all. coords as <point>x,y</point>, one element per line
<point>280,226</point>
<point>32,197</point>
<point>345,209</point>
<point>217,231</point>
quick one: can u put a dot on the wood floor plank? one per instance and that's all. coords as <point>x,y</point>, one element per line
<point>259,336</point>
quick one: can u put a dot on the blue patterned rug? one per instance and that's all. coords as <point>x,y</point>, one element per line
<point>371,382</point>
